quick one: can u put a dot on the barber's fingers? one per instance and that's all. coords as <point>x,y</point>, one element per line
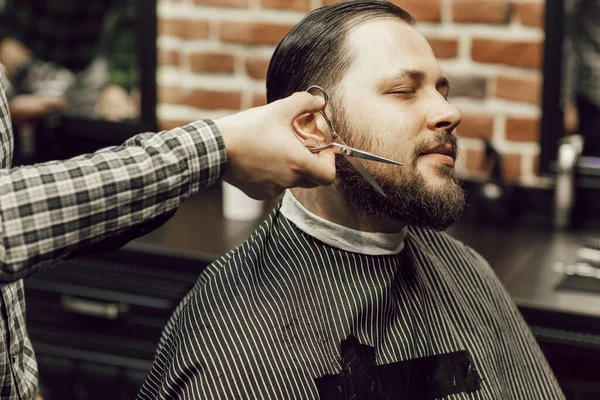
<point>317,168</point>
<point>320,168</point>
<point>300,103</point>
<point>306,184</point>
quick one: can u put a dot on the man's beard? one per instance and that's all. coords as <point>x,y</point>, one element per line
<point>408,199</point>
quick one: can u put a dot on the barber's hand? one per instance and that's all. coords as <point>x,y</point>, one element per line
<point>264,155</point>
<point>31,107</point>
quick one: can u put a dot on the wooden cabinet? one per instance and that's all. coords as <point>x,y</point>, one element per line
<point>95,321</point>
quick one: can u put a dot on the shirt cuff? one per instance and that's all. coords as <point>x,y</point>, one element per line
<point>208,160</point>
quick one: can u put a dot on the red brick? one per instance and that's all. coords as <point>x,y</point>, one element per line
<point>256,67</point>
<point>259,99</point>
<point>253,32</point>
<point>531,13</point>
<point>512,166</point>
<point>474,161</point>
<point>183,28</point>
<point>422,10</point>
<point>528,90</point>
<point>168,124</point>
<point>171,27</point>
<point>481,11</point>
<point>201,98</point>
<point>444,48</point>
<point>169,94</point>
<point>513,53</point>
<point>476,126</point>
<point>197,29</point>
<point>523,129</point>
<point>214,100</point>
<point>511,163</point>
<point>212,61</point>
<point>299,5</point>
<point>169,57</point>
<point>222,3</point>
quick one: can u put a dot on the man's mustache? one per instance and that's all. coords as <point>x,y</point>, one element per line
<point>444,143</point>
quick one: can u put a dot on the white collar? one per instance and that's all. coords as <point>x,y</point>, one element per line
<point>339,236</point>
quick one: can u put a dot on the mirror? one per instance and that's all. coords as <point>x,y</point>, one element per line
<point>79,56</point>
<point>572,84</point>
<point>581,72</point>
<point>76,72</point>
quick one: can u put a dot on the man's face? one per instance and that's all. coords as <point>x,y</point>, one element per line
<point>392,102</point>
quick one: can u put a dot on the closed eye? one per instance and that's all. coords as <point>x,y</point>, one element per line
<point>403,91</point>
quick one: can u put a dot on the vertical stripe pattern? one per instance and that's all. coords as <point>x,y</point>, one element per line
<point>267,319</point>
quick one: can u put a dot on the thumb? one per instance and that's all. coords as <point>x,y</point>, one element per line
<point>320,169</point>
<point>301,103</point>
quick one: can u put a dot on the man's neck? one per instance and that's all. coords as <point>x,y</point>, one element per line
<point>328,203</point>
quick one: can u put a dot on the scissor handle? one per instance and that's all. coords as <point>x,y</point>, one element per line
<point>320,148</point>
<point>320,89</point>
<point>334,134</point>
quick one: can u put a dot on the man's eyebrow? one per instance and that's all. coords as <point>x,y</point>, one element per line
<point>414,74</point>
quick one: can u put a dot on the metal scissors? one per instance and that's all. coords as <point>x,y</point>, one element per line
<point>338,146</point>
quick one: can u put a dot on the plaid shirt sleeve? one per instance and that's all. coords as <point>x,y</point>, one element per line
<point>52,210</point>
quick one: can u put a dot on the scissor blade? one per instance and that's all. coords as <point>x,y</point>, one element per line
<point>363,171</point>
<point>352,152</point>
<point>360,168</point>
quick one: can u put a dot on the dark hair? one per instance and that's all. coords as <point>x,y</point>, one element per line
<point>315,52</point>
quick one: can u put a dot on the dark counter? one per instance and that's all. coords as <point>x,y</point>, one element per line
<point>522,254</point>
<point>524,258</point>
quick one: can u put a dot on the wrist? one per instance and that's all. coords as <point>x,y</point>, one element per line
<point>227,132</point>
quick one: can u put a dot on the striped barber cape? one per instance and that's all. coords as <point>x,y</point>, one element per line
<point>288,315</point>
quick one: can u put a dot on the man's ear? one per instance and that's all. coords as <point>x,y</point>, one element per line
<point>311,130</point>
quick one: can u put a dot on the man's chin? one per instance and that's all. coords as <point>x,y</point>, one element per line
<point>433,199</point>
<point>438,174</point>
<point>427,196</point>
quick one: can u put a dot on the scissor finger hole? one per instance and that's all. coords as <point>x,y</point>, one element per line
<point>318,89</point>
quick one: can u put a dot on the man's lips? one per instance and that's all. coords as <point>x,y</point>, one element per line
<point>444,153</point>
<point>445,149</point>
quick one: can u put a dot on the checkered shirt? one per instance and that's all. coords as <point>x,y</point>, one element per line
<point>59,209</point>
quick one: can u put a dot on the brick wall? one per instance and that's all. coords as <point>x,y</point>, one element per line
<point>213,57</point>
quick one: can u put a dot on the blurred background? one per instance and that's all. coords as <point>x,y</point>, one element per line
<point>69,63</point>
<point>85,75</point>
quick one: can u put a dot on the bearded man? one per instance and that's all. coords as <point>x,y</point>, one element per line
<point>343,293</point>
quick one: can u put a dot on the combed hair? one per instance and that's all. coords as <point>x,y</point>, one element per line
<point>315,51</point>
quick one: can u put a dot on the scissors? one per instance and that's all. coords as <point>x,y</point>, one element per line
<point>339,147</point>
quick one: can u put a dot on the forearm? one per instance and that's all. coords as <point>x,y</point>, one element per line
<point>51,210</point>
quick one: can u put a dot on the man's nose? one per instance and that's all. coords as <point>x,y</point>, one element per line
<point>443,117</point>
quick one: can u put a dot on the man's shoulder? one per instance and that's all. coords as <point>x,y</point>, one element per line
<point>458,266</point>
<point>230,271</point>
<point>442,246</point>
<point>432,238</point>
